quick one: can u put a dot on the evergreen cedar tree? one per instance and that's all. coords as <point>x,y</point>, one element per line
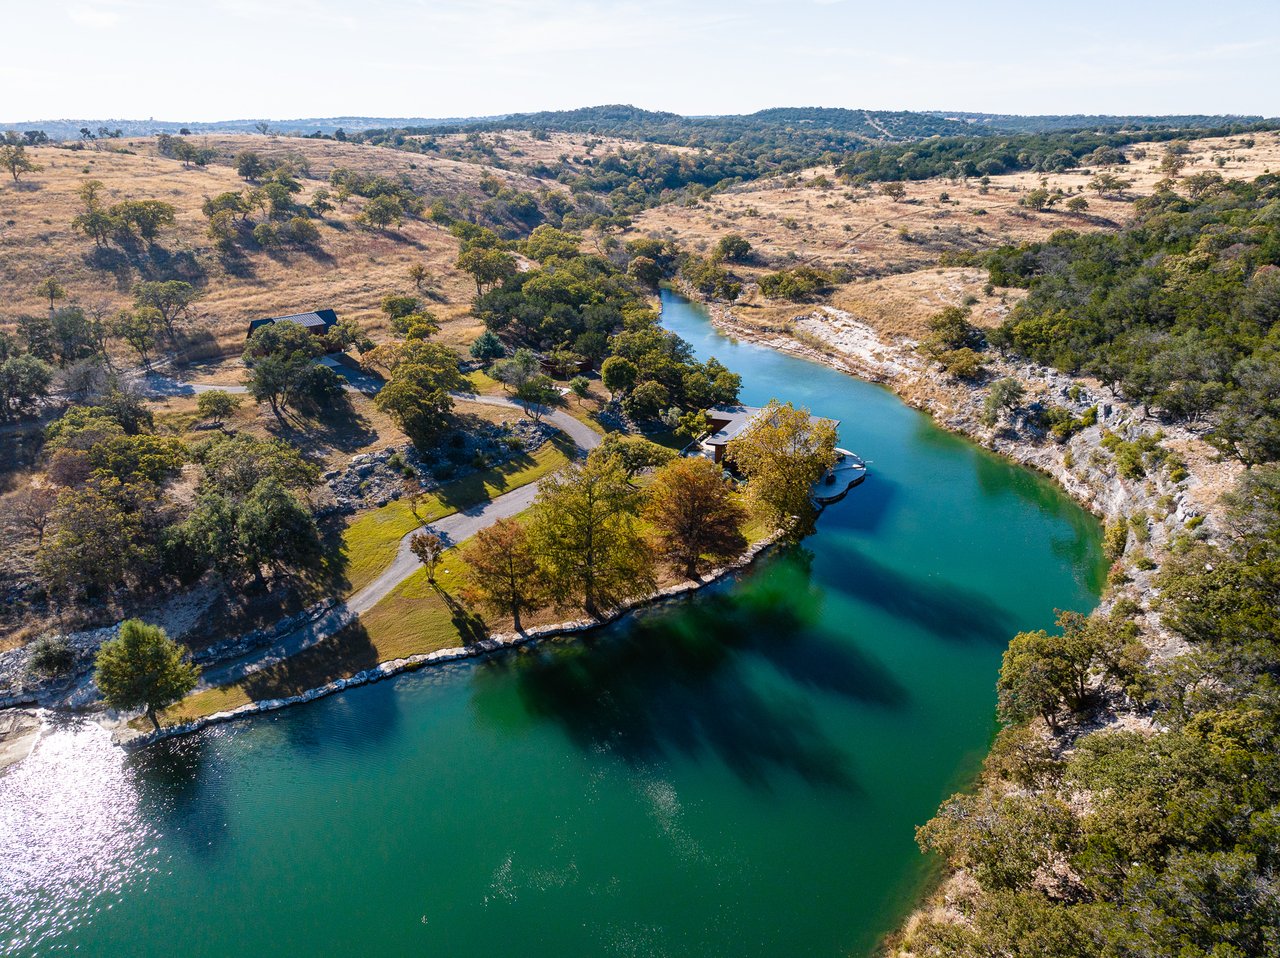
<point>143,668</point>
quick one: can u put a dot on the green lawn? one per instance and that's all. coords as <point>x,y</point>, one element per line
<point>415,618</point>
<point>370,540</point>
<point>482,384</point>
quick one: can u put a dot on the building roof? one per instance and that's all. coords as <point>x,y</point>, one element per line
<point>730,422</point>
<point>316,320</point>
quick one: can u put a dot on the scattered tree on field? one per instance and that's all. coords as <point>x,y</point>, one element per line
<point>140,327</point>
<point>429,548</point>
<point>49,288</point>
<point>172,298</point>
<point>217,405</point>
<point>13,156</point>
<point>733,247</point>
<point>894,190</point>
<point>487,267</point>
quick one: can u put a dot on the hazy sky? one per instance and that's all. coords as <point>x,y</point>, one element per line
<point>221,59</point>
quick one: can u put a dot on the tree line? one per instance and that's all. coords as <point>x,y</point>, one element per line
<point>991,155</point>
<point>577,306</point>
<point>595,536</point>
<point>1177,311</point>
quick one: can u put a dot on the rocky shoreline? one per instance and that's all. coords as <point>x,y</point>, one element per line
<point>1170,498</point>
<point>134,738</point>
<point>1143,511</point>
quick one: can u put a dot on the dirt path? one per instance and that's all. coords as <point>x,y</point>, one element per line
<point>453,528</point>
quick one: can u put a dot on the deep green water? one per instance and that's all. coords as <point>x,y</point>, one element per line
<point>739,775</point>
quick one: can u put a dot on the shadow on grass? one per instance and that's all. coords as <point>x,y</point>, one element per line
<point>471,627</point>
<point>149,261</point>
<point>338,656</point>
<point>686,681</point>
<point>337,425</point>
<point>285,255</point>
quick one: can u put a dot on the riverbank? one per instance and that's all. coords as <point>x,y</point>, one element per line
<point>1155,503</point>
<point>19,732</point>
<point>130,737</point>
<point>1153,486</point>
<point>672,783</point>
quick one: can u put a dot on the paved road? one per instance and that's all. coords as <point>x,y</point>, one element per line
<point>452,528</point>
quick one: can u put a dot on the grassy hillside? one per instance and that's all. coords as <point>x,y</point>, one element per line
<point>890,257</point>
<point>350,268</point>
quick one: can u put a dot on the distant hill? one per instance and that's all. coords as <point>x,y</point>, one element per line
<point>629,121</point>
<point>67,129</point>
<point>624,120</point>
<point>1012,123</point>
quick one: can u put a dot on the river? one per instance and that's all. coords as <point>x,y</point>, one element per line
<point>738,775</point>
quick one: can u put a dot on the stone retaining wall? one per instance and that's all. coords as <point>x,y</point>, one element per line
<point>133,738</point>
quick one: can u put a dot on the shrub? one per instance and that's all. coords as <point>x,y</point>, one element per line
<point>1114,539</point>
<point>797,284</point>
<point>50,656</point>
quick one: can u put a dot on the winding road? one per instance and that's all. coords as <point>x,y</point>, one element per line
<point>453,528</point>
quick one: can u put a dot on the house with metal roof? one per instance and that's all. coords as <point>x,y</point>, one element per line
<point>727,423</point>
<point>317,322</point>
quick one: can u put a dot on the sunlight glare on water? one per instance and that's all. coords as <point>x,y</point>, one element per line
<point>71,834</point>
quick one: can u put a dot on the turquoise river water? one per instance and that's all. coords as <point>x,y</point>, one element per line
<point>737,775</point>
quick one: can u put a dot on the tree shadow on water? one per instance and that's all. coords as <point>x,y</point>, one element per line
<point>866,508</point>
<point>951,611</point>
<point>680,681</point>
<point>181,794</point>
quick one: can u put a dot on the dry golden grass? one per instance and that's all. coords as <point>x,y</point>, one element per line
<point>352,269</point>
<point>789,221</point>
<point>893,249</point>
<point>1241,163</point>
<point>332,440</point>
<point>521,150</point>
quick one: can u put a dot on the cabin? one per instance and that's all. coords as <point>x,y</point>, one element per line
<point>727,423</point>
<point>318,322</point>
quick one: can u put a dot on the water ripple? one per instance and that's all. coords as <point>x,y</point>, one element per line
<point>71,837</point>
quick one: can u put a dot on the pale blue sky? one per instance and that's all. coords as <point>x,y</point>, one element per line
<point>220,59</point>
